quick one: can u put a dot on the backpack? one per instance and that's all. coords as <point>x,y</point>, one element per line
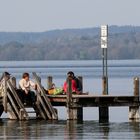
<point>78,84</point>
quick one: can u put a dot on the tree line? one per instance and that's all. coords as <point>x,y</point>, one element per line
<point>70,44</point>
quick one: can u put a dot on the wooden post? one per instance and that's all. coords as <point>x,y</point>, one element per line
<point>5,95</point>
<point>103,114</point>
<point>69,100</point>
<point>134,110</point>
<point>21,114</point>
<point>13,82</point>
<point>104,85</point>
<point>39,79</point>
<point>11,113</point>
<point>73,113</point>
<point>49,82</point>
<point>78,112</point>
<point>104,111</point>
<point>15,101</point>
<point>136,86</point>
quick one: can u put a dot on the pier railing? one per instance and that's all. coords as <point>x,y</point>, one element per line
<point>43,102</point>
<point>14,105</point>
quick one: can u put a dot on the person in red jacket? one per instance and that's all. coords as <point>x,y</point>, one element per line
<point>73,83</point>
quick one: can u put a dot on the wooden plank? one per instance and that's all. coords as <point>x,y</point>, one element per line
<point>5,96</point>
<point>13,82</point>
<point>58,100</point>
<point>41,112</point>
<point>14,105</point>
<point>102,96</point>
<point>10,86</point>
<point>95,101</point>
<point>44,106</point>
<point>43,95</point>
<point>47,101</point>
<point>91,95</point>
<point>104,102</point>
<point>12,114</point>
<point>20,104</point>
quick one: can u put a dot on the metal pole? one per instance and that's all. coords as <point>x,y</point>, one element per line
<point>106,73</point>
<point>104,35</point>
<point>103,56</point>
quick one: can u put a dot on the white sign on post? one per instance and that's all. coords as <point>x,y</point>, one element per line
<point>103,42</point>
<point>104,34</point>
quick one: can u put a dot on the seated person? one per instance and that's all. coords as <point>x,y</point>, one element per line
<point>75,82</point>
<point>25,84</point>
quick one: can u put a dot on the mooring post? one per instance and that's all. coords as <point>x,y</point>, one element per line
<point>136,86</point>
<point>105,85</point>
<point>104,111</point>
<point>134,110</point>
<point>74,113</point>
<point>78,112</point>
<point>103,114</point>
<point>49,82</point>
<point>69,100</point>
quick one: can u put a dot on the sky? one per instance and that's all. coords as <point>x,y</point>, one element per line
<point>44,15</point>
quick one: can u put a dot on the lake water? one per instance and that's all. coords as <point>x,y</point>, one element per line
<point>121,74</point>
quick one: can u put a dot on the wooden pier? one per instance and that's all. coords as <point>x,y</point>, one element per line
<point>44,106</point>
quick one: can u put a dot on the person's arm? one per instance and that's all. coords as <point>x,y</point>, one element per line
<point>32,84</point>
<point>21,84</point>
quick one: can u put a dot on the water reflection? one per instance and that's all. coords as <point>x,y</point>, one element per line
<point>68,130</point>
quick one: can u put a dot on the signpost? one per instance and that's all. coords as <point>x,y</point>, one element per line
<point>104,43</point>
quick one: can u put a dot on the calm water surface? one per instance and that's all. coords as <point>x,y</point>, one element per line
<point>63,130</point>
<point>121,75</point>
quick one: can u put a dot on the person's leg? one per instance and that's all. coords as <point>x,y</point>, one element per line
<point>20,94</point>
<point>32,96</point>
<point>27,99</point>
<point>33,100</point>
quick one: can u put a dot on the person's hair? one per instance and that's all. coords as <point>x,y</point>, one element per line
<point>70,73</point>
<point>25,75</point>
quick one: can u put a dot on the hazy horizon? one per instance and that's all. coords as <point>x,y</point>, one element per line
<point>46,15</point>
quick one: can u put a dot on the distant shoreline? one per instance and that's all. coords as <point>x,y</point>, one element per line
<point>70,44</point>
